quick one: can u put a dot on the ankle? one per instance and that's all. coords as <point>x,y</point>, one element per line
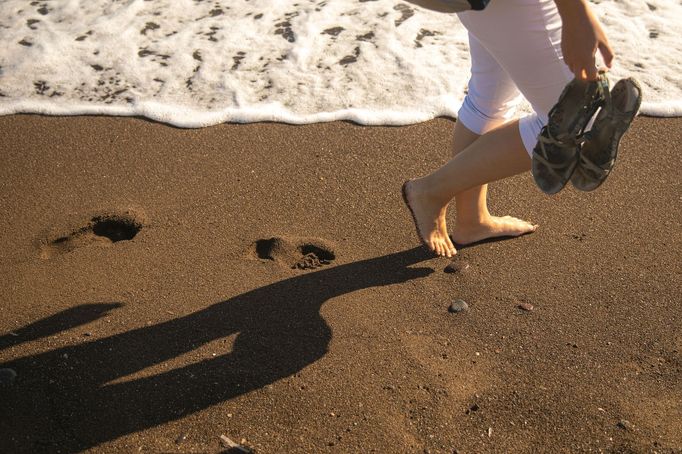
<point>427,191</point>
<point>474,220</point>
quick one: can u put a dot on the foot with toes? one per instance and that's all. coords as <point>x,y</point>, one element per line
<point>491,227</point>
<point>429,214</point>
<point>429,219</point>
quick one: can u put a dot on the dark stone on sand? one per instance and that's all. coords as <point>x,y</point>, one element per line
<point>625,425</point>
<point>457,267</point>
<point>525,307</point>
<point>472,409</point>
<point>458,306</point>
<point>7,376</point>
<point>181,439</point>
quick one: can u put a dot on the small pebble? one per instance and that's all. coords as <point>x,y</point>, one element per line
<point>526,307</point>
<point>7,376</point>
<point>458,306</point>
<point>456,267</point>
<point>181,439</point>
<point>625,425</point>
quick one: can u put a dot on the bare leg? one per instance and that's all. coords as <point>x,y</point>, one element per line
<point>495,155</point>
<point>474,221</point>
<point>465,200</point>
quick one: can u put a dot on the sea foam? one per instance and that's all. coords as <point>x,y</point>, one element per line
<point>194,63</point>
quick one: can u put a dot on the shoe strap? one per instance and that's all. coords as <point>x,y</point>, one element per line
<point>551,166</point>
<point>586,163</point>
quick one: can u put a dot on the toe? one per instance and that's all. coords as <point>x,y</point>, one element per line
<point>444,249</point>
<point>448,242</point>
<point>529,227</point>
<point>448,246</point>
<point>432,246</point>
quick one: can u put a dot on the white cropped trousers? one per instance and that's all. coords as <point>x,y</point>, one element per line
<point>515,50</point>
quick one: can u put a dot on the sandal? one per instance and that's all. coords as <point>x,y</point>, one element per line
<point>556,153</point>
<point>600,149</point>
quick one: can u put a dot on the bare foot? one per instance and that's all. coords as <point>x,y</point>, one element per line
<point>443,229</point>
<point>492,227</point>
<point>429,219</point>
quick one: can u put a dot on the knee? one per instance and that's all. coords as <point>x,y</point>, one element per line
<point>480,115</point>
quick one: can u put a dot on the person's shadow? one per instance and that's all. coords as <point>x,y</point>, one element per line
<point>279,332</point>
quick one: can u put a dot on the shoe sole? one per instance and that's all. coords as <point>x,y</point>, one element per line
<point>618,135</point>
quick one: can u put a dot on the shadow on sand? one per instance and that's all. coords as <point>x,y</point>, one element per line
<point>279,332</point>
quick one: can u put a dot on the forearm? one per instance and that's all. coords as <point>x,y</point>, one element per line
<point>571,7</point>
<point>573,12</point>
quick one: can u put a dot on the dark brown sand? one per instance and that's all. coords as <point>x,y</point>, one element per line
<point>210,321</point>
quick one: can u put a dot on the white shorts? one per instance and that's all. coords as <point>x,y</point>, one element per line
<point>515,50</point>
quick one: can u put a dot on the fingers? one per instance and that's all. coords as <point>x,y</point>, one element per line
<point>585,72</point>
<point>591,72</point>
<point>586,68</point>
<point>607,53</point>
<point>582,70</point>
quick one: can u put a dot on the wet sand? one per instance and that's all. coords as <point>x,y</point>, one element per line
<point>162,287</point>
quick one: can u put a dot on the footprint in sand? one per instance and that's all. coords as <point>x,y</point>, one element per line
<point>296,253</point>
<point>104,228</point>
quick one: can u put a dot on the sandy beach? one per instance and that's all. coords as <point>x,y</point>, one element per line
<point>164,287</point>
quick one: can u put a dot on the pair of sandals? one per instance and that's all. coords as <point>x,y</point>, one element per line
<point>567,151</point>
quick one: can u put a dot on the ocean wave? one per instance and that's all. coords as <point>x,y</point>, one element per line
<point>194,63</point>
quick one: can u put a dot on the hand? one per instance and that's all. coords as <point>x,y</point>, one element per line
<point>581,37</point>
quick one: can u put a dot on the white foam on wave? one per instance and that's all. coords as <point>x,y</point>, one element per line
<point>194,63</point>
